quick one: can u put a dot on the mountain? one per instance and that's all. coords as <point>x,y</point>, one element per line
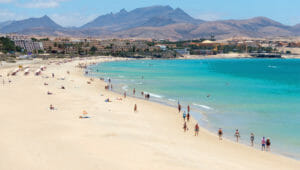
<point>254,27</point>
<point>5,23</point>
<point>44,24</point>
<point>148,16</point>
<point>158,22</point>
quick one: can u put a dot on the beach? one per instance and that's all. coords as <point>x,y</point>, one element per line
<point>113,136</point>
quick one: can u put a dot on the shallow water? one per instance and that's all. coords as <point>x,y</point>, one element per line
<point>254,95</point>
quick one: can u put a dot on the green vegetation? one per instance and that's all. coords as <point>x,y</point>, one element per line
<point>8,46</point>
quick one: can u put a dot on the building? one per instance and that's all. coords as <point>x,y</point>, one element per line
<point>184,51</point>
<point>29,45</point>
<point>26,43</point>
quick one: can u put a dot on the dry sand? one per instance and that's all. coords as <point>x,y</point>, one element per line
<point>114,137</point>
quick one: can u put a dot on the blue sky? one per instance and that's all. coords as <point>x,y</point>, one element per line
<point>78,12</point>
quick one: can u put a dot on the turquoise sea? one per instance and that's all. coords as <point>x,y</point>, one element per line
<point>253,95</point>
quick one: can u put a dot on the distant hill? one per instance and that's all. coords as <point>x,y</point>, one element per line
<point>31,25</point>
<point>158,22</point>
<point>5,23</point>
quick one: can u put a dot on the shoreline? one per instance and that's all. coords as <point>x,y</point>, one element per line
<point>114,137</point>
<point>168,104</point>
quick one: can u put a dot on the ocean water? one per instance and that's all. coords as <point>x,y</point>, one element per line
<point>253,95</point>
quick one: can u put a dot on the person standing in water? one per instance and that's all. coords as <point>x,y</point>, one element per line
<point>179,108</point>
<point>263,144</point>
<point>188,108</point>
<point>220,133</point>
<point>184,116</point>
<point>237,135</point>
<point>133,91</point>
<point>252,139</point>
<point>196,129</point>
<point>268,143</point>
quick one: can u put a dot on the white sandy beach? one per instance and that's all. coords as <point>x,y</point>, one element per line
<point>114,137</point>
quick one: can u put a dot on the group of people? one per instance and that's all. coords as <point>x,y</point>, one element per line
<point>265,143</point>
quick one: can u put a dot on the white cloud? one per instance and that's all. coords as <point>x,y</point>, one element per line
<point>73,19</point>
<point>6,15</point>
<point>42,4</point>
<point>5,1</point>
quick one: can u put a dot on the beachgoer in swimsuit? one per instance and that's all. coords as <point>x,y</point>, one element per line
<point>196,129</point>
<point>188,108</point>
<point>252,139</point>
<point>185,127</point>
<point>51,107</point>
<point>179,108</point>
<point>268,143</point>
<point>237,135</point>
<point>184,116</point>
<point>124,94</point>
<point>263,144</point>
<point>220,133</point>
<point>135,108</point>
<point>134,91</point>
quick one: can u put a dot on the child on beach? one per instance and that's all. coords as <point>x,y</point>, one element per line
<point>196,129</point>
<point>220,133</point>
<point>268,143</point>
<point>252,139</point>
<point>184,115</point>
<point>263,144</point>
<point>237,135</point>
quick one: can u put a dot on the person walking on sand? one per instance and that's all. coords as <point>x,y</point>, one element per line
<point>185,127</point>
<point>252,139</point>
<point>135,108</point>
<point>184,116</point>
<point>188,117</point>
<point>220,133</point>
<point>188,108</point>
<point>196,129</point>
<point>237,135</point>
<point>268,143</point>
<point>263,144</point>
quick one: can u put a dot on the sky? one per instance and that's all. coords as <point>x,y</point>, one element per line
<point>78,12</point>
